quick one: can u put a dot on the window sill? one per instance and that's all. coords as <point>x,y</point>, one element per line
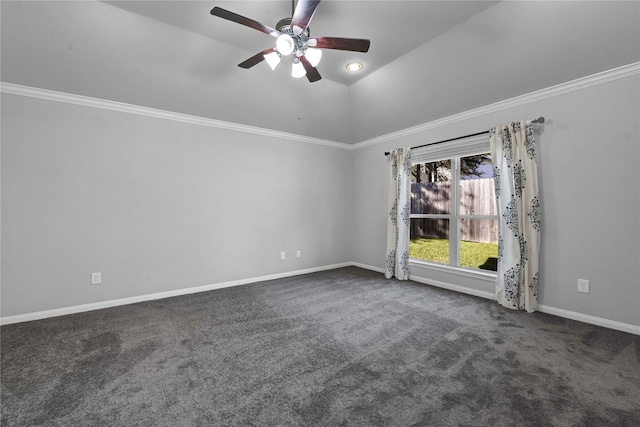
<point>460,271</point>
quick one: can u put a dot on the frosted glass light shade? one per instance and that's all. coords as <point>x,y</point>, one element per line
<point>297,69</point>
<point>313,55</point>
<point>285,44</point>
<point>273,59</point>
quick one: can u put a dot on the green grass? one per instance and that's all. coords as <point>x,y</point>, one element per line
<point>472,254</point>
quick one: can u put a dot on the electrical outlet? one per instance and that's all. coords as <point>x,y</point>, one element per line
<point>583,286</point>
<point>298,253</point>
<point>283,255</point>
<point>96,278</point>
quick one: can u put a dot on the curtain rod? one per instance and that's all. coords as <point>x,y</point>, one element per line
<point>539,120</point>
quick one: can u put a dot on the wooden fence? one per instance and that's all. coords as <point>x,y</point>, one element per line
<point>477,197</point>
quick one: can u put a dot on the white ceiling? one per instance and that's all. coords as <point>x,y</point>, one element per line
<point>394,27</point>
<point>428,59</point>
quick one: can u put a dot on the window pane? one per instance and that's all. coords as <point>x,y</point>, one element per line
<point>477,193</point>
<point>431,188</point>
<point>479,243</point>
<point>429,240</point>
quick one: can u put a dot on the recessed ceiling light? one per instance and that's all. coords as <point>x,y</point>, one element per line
<point>354,66</point>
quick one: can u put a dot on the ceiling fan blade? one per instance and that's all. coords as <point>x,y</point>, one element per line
<point>255,59</point>
<point>234,17</point>
<point>354,45</point>
<point>302,15</point>
<point>312,72</point>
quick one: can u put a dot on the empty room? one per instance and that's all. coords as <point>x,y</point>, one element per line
<point>320,213</point>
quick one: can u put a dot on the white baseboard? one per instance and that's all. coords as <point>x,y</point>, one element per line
<point>368,267</point>
<point>567,314</point>
<point>452,287</point>
<point>593,320</point>
<point>436,283</point>
<point>150,297</point>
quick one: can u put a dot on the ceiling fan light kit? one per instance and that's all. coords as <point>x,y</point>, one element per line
<point>297,69</point>
<point>273,59</point>
<point>293,38</point>
<point>313,55</point>
<point>285,44</point>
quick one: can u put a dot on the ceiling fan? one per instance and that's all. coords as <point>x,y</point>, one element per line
<point>293,38</point>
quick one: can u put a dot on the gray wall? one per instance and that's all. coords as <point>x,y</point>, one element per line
<point>156,205</point>
<point>588,154</point>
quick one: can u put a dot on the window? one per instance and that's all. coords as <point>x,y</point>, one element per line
<point>453,209</point>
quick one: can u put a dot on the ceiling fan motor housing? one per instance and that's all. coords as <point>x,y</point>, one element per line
<point>284,26</point>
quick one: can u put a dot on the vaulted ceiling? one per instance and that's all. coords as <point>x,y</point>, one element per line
<point>428,59</point>
<point>393,29</point>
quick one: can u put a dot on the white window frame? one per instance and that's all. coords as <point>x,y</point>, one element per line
<point>453,151</point>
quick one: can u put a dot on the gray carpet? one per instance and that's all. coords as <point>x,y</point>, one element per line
<point>338,348</point>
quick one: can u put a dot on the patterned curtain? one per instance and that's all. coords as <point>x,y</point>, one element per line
<point>397,263</point>
<point>516,180</point>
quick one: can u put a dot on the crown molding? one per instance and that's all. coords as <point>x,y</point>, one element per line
<point>573,85</point>
<point>86,101</point>
<point>560,89</point>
